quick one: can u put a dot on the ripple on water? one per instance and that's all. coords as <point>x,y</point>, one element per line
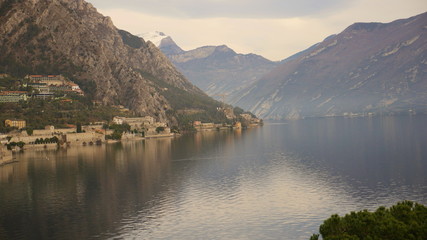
<point>275,182</point>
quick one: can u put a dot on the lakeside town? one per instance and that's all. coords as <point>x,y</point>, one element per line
<point>121,128</point>
<point>47,87</point>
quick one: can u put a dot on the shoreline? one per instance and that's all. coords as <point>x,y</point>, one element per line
<point>7,156</point>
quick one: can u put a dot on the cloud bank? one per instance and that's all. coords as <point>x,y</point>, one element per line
<point>226,8</point>
<point>272,28</point>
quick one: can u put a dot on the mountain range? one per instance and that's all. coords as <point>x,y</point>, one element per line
<point>112,66</point>
<point>369,68</point>
<point>217,70</point>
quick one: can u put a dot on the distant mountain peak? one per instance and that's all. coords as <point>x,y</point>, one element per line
<point>164,42</point>
<point>155,37</point>
<point>214,69</point>
<point>225,48</point>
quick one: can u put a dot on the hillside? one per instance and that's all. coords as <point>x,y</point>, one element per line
<point>112,66</point>
<point>369,68</point>
<point>217,70</point>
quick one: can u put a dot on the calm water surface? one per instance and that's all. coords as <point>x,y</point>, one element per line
<point>276,182</point>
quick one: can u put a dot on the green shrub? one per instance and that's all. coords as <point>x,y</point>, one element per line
<point>404,221</point>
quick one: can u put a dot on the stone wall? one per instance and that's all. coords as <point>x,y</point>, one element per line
<point>81,138</point>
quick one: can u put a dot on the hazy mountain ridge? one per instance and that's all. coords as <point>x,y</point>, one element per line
<point>70,37</point>
<point>368,68</point>
<point>216,70</point>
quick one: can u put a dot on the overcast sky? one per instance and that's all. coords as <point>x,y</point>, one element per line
<point>275,29</point>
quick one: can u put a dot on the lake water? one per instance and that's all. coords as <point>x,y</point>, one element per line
<point>276,182</point>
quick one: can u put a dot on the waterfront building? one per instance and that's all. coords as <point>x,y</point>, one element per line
<point>137,123</point>
<point>237,125</point>
<point>18,123</point>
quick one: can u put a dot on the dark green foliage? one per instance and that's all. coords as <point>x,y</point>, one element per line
<point>11,145</point>
<point>79,128</point>
<point>160,129</point>
<point>186,120</point>
<point>116,135</point>
<point>315,237</point>
<point>403,221</point>
<point>131,40</point>
<point>9,83</point>
<point>20,144</point>
<point>53,139</point>
<point>3,128</point>
<point>29,131</point>
<point>119,129</point>
<point>9,65</point>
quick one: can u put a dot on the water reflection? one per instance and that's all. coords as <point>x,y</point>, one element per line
<point>374,149</point>
<point>279,181</point>
<point>78,192</point>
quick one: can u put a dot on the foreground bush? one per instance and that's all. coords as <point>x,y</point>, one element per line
<point>404,221</point>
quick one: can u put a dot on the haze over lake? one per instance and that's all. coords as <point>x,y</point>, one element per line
<point>279,181</point>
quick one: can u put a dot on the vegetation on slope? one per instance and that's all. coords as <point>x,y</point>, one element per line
<point>188,107</point>
<point>38,112</point>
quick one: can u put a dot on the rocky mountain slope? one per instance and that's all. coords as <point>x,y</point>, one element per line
<point>216,70</point>
<point>70,37</point>
<point>368,68</point>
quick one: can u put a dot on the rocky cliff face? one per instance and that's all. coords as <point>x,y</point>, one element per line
<point>70,37</point>
<point>368,68</point>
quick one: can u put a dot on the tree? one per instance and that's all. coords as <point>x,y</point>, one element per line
<point>315,237</point>
<point>79,128</point>
<point>404,221</point>
<point>160,129</point>
<point>29,131</point>
<point>20,144</point>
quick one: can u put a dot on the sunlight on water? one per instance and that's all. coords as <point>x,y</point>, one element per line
<point>276,182</point>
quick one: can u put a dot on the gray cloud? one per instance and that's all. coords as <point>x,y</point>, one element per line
<point>226,8</point>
